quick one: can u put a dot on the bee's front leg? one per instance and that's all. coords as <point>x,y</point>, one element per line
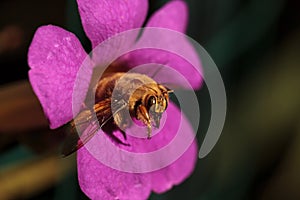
<point>143,115</point>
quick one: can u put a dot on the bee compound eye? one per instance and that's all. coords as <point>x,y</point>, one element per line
<point>151,101</point>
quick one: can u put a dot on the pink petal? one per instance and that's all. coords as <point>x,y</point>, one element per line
<point>99,180</point>
<point>174,174</point>
<point>167,47</point>
<point>102,19</point>
<point>173,15</point>
<point>55,56</point>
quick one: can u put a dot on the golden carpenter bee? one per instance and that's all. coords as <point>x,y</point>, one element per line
<point>116,95</point>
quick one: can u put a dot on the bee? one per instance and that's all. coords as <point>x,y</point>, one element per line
<point>119,98</point>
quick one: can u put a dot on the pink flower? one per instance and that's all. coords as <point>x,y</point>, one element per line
<point>55,56</point>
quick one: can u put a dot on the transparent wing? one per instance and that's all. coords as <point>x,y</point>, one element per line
<point>87,123</point>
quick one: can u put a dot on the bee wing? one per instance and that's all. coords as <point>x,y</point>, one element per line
<point>74,139</point>
<point>87,123</point>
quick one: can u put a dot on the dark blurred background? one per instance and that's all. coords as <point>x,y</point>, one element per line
<point>256,46</point>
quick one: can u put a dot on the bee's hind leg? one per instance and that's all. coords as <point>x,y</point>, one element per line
<point>124,134</point>
<point>118,140</point>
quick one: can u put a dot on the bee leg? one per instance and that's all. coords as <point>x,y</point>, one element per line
<point>117,140</point>
<point>149,131</point>
<point>144,116</point>
<point>121,123</point>
<point>124,134</point>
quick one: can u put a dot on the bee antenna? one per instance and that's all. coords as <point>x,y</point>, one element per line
<point>170,91</point>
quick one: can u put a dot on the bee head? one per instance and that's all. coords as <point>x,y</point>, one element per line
<point>157,103</point>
